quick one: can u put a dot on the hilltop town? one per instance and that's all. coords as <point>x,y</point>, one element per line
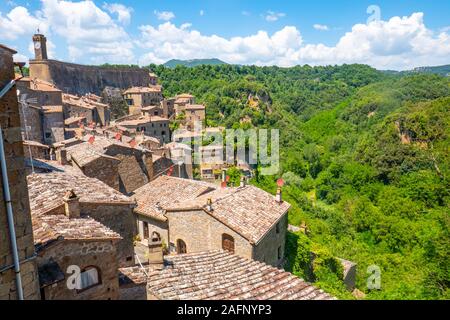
<point>105,208</point>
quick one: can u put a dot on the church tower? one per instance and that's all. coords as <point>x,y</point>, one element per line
<point>40,47</point>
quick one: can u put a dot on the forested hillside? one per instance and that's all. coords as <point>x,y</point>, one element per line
<point>365,157</point>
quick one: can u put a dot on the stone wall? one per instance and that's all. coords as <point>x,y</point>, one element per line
<point>99,254</point>
<point>133,292</point>
<point>134,169</point>
<point>53,127</point>
<point>10,124</point>
<point>201,232</point>
<point>104,169</point>
<point>82,79</point>
<point>31,123</point>
<point>120,219</point>
<point>267,249</point>
<point>161,227</point>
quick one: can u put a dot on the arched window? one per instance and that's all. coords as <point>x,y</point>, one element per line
<point>89,278</point>
<point>181,246</point>
<point>227,243</point>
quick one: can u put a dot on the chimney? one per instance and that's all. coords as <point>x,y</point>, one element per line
<point>278,197</point>
<point>61,156</point>
<point>209,205</point>
<point>71,205</point>
<point>155,252</point>
<point>243,182</point>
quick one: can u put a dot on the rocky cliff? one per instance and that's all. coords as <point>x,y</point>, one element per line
<point>82,79</point>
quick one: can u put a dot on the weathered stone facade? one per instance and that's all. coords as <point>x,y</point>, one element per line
<point>100,254</point>
<point>13,145</point>
<point>120,219</point>
<point>207,235</point>
<point>83,79</point>
<point>270,249</point>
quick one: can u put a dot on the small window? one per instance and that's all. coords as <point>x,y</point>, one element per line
<point>277,228</point>
<point>181,247</point>
<point>227,243</point>
<point>280,254</point>
<point>48,135</point>
<point>90,277</point>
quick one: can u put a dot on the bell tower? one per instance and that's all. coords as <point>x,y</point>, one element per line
<point>40,47</point>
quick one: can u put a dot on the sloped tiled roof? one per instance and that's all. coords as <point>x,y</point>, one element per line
<point>88,101</point>
<point>195,107</point>
<point>165,191</point>
<point>150,89</point>
<point>219,275</point>
<point>50,228</point>
<point>46,191</point>
<point>248,210</point>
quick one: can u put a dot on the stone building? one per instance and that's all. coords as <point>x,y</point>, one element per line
<point>67,241</point>
<point>215,275</point>
<point>14,154</point>
<point>139,97</point>
<point>194,113</point>
<point>41,111</point>
<point>96,200</point>
<point>53,124</point>
<point>194,216</point>
<point>154,126</point>
<point>121,165</point>
<point>88,106</point>
<point>45,93</point>
<point>36,150</point>
<point>183,99</point>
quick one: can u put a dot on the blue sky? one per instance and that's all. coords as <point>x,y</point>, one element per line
<point>408,33</point>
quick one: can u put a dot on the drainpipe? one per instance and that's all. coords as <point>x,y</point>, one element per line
<point>9,210</point>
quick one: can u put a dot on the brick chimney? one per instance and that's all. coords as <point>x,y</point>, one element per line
<point>278,197</point>
<point>71,205</point>
<point>155,252</point>
<point>61,156</point>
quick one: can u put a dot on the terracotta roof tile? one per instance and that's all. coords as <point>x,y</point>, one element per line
<point>165,191</point>
<point>46,191</point>
<point>150,89</point>
<point>50,228</point>
<point>219,275</point>
<point>248,210</point>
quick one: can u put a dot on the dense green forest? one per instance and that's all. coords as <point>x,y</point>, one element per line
<point>365,158</point>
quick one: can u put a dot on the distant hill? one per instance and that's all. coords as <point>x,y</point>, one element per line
<point>193,63</point>
<point>440,70</point>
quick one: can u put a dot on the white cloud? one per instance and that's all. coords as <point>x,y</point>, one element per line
<point>89,32</point>
<point>245,13</point>
<point>98,35</point>
<point>202,12</point>
<point>167,41</point>
<point>399,43</point>
<point>123,12</point>
<point>164,15</point>
<point>274,16</point>
<point>321,27</point>
<point>19,22</point>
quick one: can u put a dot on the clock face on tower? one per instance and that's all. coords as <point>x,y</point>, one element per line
<point>37,45</point>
